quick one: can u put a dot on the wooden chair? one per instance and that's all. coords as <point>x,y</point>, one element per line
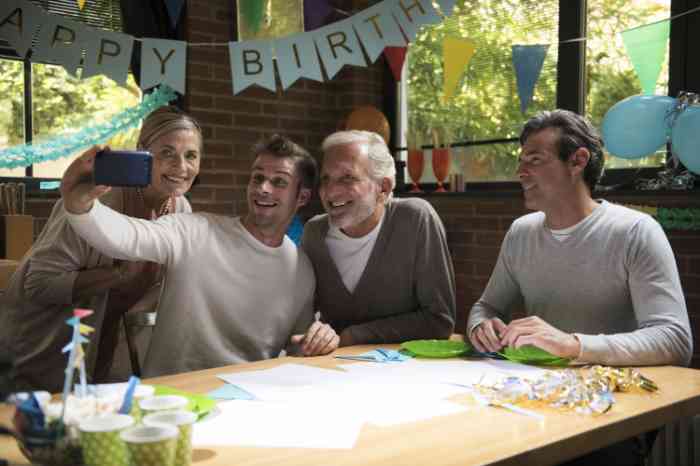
<point>134,321</point>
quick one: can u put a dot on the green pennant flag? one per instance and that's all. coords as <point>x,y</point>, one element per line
<point>646,47</point>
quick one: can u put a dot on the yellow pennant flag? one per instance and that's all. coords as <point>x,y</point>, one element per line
<point>456,54</point>
<point>79,356</point>
<point>81,4</point>
<point>85,329</point>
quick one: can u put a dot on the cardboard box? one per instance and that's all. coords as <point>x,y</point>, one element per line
<point>16,235</point>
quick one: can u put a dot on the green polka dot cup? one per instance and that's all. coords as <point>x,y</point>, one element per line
<point>161,403</point>
<point>140,393</point>
<point>150,445</point>
<point>183,420</point>
<point>100,441</point>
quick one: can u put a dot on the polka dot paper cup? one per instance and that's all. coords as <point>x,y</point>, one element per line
<point>141,393</point>
<point>183,420</point>
<point>100,441</point>
<point>150,445</point>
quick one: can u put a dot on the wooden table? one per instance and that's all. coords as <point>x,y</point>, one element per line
<point>482,435</point>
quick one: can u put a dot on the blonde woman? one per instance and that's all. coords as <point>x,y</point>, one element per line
<point>62,272</point>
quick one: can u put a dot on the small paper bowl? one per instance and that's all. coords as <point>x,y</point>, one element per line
<point>161,403</point>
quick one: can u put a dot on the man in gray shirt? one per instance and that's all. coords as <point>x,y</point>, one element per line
<point>383,270</point>
<point>599,281</point>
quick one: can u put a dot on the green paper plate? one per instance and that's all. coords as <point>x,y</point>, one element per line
<point>201,405</point>
<point>436,348</point>
<point>533,355</point>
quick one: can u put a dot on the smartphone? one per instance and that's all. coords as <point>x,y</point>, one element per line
<point>123,168</point>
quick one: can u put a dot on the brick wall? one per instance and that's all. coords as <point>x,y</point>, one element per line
<point>476,226</point>
<point>307,111</point>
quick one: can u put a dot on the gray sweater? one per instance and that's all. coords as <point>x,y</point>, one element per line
<point>614,282</point>
<point>407,288</point>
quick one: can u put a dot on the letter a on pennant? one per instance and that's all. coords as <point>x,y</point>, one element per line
<point>19,21</point>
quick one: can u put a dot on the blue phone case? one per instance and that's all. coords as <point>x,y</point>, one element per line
<point>123,168</point>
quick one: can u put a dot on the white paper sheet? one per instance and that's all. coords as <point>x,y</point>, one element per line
<point>261,424</point>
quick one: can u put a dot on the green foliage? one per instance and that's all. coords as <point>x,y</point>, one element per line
<point>61,103</point>
<point>486,105</point>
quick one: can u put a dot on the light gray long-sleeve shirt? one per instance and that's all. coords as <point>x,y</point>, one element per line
<point>614,283</point>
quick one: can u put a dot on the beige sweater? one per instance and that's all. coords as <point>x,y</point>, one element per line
<point>227,297</point>
<point>39,299</point>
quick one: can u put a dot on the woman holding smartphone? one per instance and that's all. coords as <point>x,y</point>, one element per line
<point>62,272</point>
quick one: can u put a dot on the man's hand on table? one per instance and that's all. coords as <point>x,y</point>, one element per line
<point>319,339</point>
<point>77,187</point>
<point>536,332</point>
<point>486,336</point>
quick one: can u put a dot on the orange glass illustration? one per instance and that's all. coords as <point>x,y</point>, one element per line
<point>415,163</point>
<point>441,166</point>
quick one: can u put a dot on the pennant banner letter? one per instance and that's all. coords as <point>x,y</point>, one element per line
<point>108,53</point>
<point>338,46</point>
<point>251,63</point>
<point>19,21</point>
<point>412,14</point>
<point>377,29</point>
<point>297,58</point>
<point>163,61</point>
<point>60,42</point>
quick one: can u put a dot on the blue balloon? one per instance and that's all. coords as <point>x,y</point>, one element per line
<point>637,126</point>
<point>685,138</point>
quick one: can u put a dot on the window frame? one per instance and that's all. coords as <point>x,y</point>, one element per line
<point>68,9</point>
<point>684,74</point>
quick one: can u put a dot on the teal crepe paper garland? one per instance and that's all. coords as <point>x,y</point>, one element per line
<point>63,146</point>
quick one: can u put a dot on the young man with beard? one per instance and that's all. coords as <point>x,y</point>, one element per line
<point>383,270</point>
<point>216,308</point>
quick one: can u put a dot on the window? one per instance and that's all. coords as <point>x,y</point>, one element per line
<point>610,75</point>
<point>41,100</point>
<point>485,106</point>
<point>484,118</point>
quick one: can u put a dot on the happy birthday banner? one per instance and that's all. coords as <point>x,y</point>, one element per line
<point>388,24</point>
<point>58,40</point>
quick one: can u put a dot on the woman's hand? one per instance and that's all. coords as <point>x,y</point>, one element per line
<point>77,186</point>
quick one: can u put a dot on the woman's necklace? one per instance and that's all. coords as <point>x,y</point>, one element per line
<point>165,208</point>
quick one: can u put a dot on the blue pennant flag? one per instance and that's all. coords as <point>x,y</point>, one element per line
<point>174,8</point>
<point>528,61</point>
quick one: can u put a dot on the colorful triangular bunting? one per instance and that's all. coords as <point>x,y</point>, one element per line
<point>395,56</point>
<point>174,8</point>
<point>646,47</point>
<point>456,54</point>
<point>528,61</point>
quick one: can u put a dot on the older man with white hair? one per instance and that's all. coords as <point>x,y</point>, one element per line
<point>383,270</point>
